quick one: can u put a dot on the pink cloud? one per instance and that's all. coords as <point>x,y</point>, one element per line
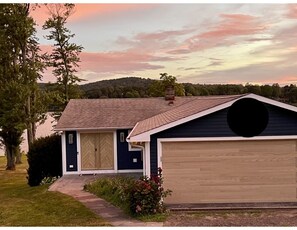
<point>292,11</point>
<point>235,25</point>
<point>83,11</point>
<point>162,35</point>
<point>119,61</point>
<point>230,26</point>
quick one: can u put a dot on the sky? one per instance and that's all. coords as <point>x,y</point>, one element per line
<point>201,43</point>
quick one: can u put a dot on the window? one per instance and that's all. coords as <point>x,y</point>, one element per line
<point>122,137</point>
<point>70,139</point>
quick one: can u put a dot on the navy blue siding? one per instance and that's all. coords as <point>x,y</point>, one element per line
<point>125,157</point>
<point>281,122</point>
<point>71,152</point>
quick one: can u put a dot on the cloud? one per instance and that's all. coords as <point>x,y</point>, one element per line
<point>230,26</point>
<point>264,73</point>
<point>162,35</point>
<point>292,11</point>
<point>119,61</point>
<point>85,11</point>
<point>234,25</point>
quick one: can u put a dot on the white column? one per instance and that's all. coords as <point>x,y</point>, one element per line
<point>63,141</point>
<point>78,152</point>
<point>115,151</point>
<point>147,156</point>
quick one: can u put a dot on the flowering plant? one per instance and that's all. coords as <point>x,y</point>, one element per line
<point>147,194</point>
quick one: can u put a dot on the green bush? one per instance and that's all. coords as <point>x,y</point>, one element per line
<point>147,194</point>
<point>136,197</point>
<point>45,159</point>
<point>113,189</point>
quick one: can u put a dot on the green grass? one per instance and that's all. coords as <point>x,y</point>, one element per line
<point>112,190</point>
<point>22,205</point>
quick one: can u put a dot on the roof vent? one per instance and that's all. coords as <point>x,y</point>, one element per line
<point>169,93</point>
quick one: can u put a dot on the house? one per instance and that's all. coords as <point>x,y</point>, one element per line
<point>214,149</point>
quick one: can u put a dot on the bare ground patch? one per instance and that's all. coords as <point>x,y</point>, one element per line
<point>234,218</point>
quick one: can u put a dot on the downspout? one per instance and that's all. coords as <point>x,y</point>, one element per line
<point>141,146</point>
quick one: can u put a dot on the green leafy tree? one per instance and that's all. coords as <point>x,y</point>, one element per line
<point>19,66</point>
<point>157,88</point>
<point>65,55</point>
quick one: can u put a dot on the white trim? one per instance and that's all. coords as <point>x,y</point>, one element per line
<point>187,139</point>
<point>129,133</point>
<point>104,172</point>
<point>98,171</point>
<point>98,129</point>
<point>147,157</point>
<point>204,139</point>
<point>63,142</point>
<point>132,149</point>
<point>115,151</point>
<point>71,173</point>
<point>78,151</point>
<point>271,102</point>
<point>143,137</point>
<point>130,171</point>
<point>159,152</point>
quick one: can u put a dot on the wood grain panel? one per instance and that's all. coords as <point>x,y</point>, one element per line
<point>97,151</point>
<point>105,145</point>
<point>87,142</point>
<point>230,171</point>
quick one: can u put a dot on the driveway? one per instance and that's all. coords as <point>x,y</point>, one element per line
<point>277,217</point>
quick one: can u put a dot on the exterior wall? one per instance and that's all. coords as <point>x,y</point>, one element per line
<point>281,122</point>
<point>71,152</point>
<point>126,158</point>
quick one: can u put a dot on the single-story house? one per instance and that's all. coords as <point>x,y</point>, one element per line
<point>212,149</point>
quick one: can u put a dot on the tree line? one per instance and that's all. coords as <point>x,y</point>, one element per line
<point>135,87</point>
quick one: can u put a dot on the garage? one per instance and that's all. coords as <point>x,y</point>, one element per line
<point>229,171</point>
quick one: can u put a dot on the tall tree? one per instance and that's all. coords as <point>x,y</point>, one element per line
<point>157,88</point>
<point>19,66</point>
<point>65,55</point>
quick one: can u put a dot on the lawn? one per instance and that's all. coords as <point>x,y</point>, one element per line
<point>22,205</point>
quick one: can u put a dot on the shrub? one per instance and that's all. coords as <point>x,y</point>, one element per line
<point>45,159</point>
<point>136,197</point>
<point>113,189</point>
<point>147,194</point>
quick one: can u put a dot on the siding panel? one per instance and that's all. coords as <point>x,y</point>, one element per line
<point>281,122</point>
<point>71,152</point>
<point>125,157</point>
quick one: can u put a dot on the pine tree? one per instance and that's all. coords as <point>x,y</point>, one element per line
<point>65,55</point>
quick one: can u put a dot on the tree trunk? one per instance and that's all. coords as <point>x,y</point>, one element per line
<point>34,131</point>
<point>10,156</point>
<point>18,158</point>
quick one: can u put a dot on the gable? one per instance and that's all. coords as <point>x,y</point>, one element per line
<point>278,106</point>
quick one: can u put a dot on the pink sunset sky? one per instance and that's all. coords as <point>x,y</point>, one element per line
<point>197,43</point>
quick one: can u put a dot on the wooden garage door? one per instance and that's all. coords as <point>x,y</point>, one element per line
<point>97,151</point>
<point>230,171</point>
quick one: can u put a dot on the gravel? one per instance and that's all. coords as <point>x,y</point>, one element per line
<point>280,217</point>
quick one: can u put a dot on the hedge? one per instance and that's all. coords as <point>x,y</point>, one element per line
<point>45,159</point>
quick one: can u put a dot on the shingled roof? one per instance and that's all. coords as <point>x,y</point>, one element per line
<point>85,114</point>
<point>187,109</point>
<point>125,113</point>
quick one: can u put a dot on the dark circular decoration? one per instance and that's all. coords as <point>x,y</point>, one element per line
<point>247,117</point>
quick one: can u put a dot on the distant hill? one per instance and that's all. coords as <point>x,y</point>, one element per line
<point>133,87</point>
<point>122,87</point>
